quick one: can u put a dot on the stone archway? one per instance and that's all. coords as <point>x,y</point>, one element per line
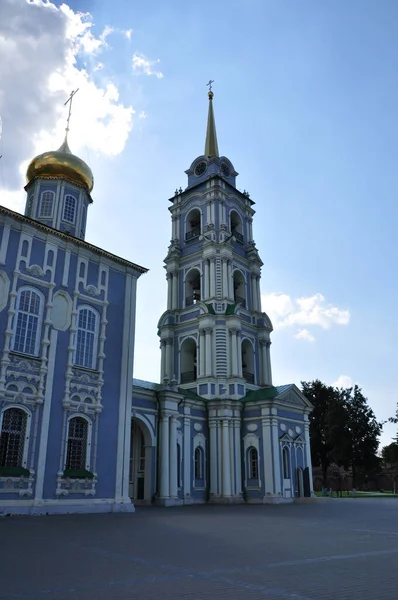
<point>141,462</point>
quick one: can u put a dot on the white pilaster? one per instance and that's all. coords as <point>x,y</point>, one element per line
<point>269,372</point>
<point>169,278</point>
<point>254,293</point>
<point>213,458</point>
<point>187,453</point>
<point>238,457</point>
<point>226,462</point>
<point>308,451</point>
<point>232,456</point>
<point>164,457</point>
<point>239,354</point>
<point>267,453</point>
<point>233,353</point>
<point>225,278</point>
<point>276,456</point>
<point>212,277</point>
<point>201,366</point>
<point>230,281</point>
<point>258,293</point>
<point>175,290</point>
<point>208,352</point>
<point>264,362</point>
<point>206,289</point>
<point>162,359</point>
<point>173,483</point>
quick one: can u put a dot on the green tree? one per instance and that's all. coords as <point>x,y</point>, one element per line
<point>326,421</point>
<point>358,435</point>
<point>389,455</point>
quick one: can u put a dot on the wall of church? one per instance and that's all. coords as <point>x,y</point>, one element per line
<point>66,322</point>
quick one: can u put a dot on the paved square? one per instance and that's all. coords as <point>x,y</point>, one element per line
<point>332,549</point>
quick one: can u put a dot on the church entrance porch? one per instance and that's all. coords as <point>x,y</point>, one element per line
<point>140,463</point>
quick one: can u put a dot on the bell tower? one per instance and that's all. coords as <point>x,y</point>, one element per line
<point>215,340</point>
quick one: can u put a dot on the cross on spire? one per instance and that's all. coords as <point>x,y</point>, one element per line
<point>209,84</point>
<point>73,92</point>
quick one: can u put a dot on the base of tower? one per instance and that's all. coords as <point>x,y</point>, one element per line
<point>276,499</point>
<point>168,502</point>
<point>236,499</point>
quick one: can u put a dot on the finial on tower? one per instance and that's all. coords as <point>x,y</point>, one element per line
<point>65,147</point>
<point>211,145</point>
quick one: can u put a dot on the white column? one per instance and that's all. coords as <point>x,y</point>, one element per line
<point>264,362</point>
<point>212,278</point>
<point>187,454</point>
<point>208,212</point>
<point>162,359</point>
<point>250,228</point>
<point>239,354</point>
<point>267,453</point>
<point>169,278</point>
<point>225,279</point>
<point>232,456</point>
<point>238,457</point>
<point>230,286</point>
<point>175,290</point>
<point>258,293</point>
<point>168,354</point>
<point>233,353</point>
<point>213,458</point>
<point>308,452</point>
<point>173,458</point>
<point>202,368</point>
<point>208,352</point>
<point>269,372</point>
<point>164,457</point>
<point>206,289</point>
<point>254,293</point>
<point>276,457</point>
<point>226,462</point>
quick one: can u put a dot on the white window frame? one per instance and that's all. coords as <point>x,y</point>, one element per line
<point>289,464</point>
<point>202,460</point>
<point>27,430</point>
<point>249,463</point>
<point>66,198</point>
<point>94,360</point>
<point>39,321</point>
<point>199,441</point>
<point>46,216</point>
<point>89,437</point>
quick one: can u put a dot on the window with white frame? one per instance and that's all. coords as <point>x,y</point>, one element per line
<point>252,459</point>
<point>12,437</point>
<point>286,462</point>
<point>46,204</point>
<point>27,321</point>
<point>86,337</point>
<point>199,460</point>
<point>69,213</point>
<point>76,451</point>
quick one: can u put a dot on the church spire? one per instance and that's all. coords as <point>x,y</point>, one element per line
<point>211,146</point>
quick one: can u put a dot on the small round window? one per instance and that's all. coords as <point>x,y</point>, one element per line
<point>200,168</point>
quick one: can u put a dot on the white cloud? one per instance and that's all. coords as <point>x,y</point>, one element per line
<point>128,33</point>
<point>304,334</point>
<point>142,65</point>
<point>344,381</point>
<point>142,115</point>
<point>41,47</point>
<point>305,311</point>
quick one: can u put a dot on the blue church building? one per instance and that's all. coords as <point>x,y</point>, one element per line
<point>77,432</point>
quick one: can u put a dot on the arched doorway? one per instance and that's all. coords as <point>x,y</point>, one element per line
<point>141,462</point>
<point>300,482</point>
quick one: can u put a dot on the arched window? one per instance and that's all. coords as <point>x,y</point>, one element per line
<point>69,213</point>
<point>286,462</point>
<point>192,287</point>
<point>236,226</point>
<point>27,321</point>
<point>192,225</point>
<point>188,360</point>
<point>46,205</point>
<point>12,437</point>
<point>248,361</point>
<point>76,452</point>
<point>86,338</point>
<point>239,288</point>
<point>252,459</point>
<point>199,460</point>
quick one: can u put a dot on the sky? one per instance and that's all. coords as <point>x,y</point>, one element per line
<point>307,111</point>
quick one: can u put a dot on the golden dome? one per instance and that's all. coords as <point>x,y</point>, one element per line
<point>61,163</point>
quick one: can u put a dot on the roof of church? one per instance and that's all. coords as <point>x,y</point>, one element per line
<point>70,238</point>
<point>147,385</point>
<point>268,393</point>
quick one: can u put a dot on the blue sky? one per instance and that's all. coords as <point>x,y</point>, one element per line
<point>306,109</point>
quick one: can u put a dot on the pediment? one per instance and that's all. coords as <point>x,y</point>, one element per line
<point>292,396</point>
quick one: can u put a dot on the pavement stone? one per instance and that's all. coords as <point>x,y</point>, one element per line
<point>345,548</point>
